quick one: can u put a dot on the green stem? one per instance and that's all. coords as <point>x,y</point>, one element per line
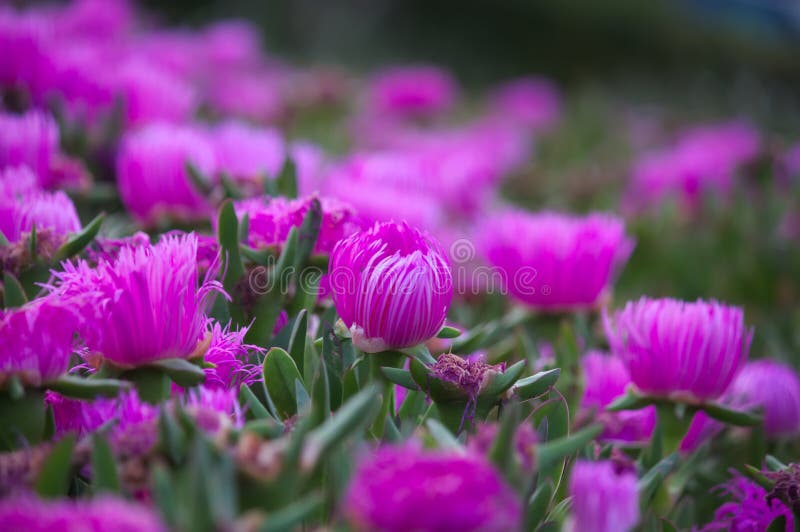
<point>674,421</point>
<point>391,359</point>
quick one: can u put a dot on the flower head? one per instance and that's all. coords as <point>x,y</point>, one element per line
<point>773,387</point>
<point>604,499</point>
<point>392,286</point>
<point>553,261</point>
<point>531,102</point>
<point>152,94</point>
<point>412,91</point>
<point>152,175</point>
<point>101,514</point>
<point>680,350</point>
<point>29,140</point>
<point>229,355</point>
<point>749,509</point>
<point>607,378</point>
<point>525,440</point>
<point>408,488</point>
<point>147,305</point>
<point>38,340</point>
<point>248,153</point>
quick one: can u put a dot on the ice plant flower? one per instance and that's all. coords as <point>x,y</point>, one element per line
<point>555,262</point>
<point>248,153</point>
<point>605,379</point>
<point>30,140</point>
<point>412,91</point>
<point>228,353</point>
<point>680,350</point>
<point>750,508</point>
<point>391,285</point>
<point>152,172</point>
<point>215,409</point>
<point>24,206</point>
<point>604,499</point>
<point>151,94</point>
<point>147,305</point>
<point>530,102</point>
<point>271,219</point>
<point>525,440</point>
<point>38,340</point>
<point>775,388</point>
<point>408,488</point>
<point>104,513</point>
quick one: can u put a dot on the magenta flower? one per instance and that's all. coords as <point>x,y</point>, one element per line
<point>30,140</point>
<point>749,509</point>
<point>24,206</point>
<point>215,410</point>
<point>38,340</point>
<point>409,488</point>
<point>604,499</point>
<point>556,262</point>
<point>530,102</point>
<point>412,91</point>
<point>147,305</point>
<point>605,379</point>
<point>102,514</point>
<point>703,160</point>
<point>250,94</point>
<point>151,94</point>
<point>701,429</point>
<point>392,286</point>
<point>773,387</point>
<point>229,355</point>
<point>525,440</point>
<point>248,153</point>
<point>271,219</point>
<point>152,176</point>
<point>689,351</point>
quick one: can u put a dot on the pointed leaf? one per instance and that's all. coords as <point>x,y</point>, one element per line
<point>81,388</point>
<point>54,477</point>
<point>502,451</point>
<point>448,333</point>
<point>254,406</point>
<point>650,482</point>
<point>401,377</point>
<point>78,242</point>
<point>104,468</point>
<point>228,236</point>
<point>552,451</point>
<point>536,384</point>
<point>292,516</point>
<point>502,382</point>
<point>198,179</point>
<point>629,401</point>
<point>181,371</point>
<point>730,416</point>
<point>280,372</point>
<point>308,233</point>
<point>13,293</point>
<point>301,396</point>
<point>538,504</point>
<point>443,437</point>
<point>286,182</point>
<point>297,342</point>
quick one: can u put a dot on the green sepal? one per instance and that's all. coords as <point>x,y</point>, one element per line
<point>79,241</point>
<point>537,384</point>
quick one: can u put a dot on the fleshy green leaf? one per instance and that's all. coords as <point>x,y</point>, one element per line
<point>104,468</point>
<point>443,437</point>
<point>538,504</point>
<point>536,384</point>
<point>292,516</point>
<point>80,388</point>
<point>228,236</point>
<point>400,376</point>
<point>297,342</point>
<point>181,371</point>
<point>552,451</point>
<point>78,242</point>
<point>730,416</point>
<point>13,293</point>
<point>448,332</point>
<point>286,182</point>
<point>502,382</point>
<point>280,373</point>
<point>629,401</point>
<point>54,477</point>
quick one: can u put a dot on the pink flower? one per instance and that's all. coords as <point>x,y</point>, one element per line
<point>230,357</point>
<point>682,350</point>
<point>104,513</point>
<point>152,176</point>
<point>248,153</point>
<point>530,102</point>
<point>555,262</point>
<point>773,387</point>
<point>604,499</point>
<point>151,94</point>
<point>749,509</point>
<point>37,341</point>
<point>412,91</point>
<point>409,488</point>
<point>605,379</point>
<point>147,305</point>
<point>392,286</point>
<point>30,140</point>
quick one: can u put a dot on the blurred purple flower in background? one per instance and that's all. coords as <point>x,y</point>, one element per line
<point>773,387</point>
<point>391,285</point>
<point>412,91</point>
<point>687,351</point>
<point>531,102</point>
<point>604,499</point>
<point>555,262</point>
<point>408,488</point>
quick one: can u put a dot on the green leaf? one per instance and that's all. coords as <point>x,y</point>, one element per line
<point>353,417</point>
<point>420,353</point>
<point>54,477</point>
<point>258,256</point>
<point>181,371</point>
<point>104,468</point>
<point>651,481</point>
<point>308,233</point>
<point>267,428</point>
<point>400,376</point>
<point>629,401</point>
<point>774,464</point>
<point>502,451</point>
<point>538,504</point>
<point>286,182</point>
<point>228,236</point>
<point>171,437</point>
<point>297,341</point>
<point>244,229</point>
<point>320,395</point>
<point>24,419</point>
<point>13,293</point>
<point>443,437</point>
<point>552,451</point>
<point>448,332</point>
<point>502,382</point>
<point>80,388</point>
<point>280,372</point>
<point>536,384</point>
<point>301,396</point>
<point>730,416</point>
<point>292,516</point>
<point>254,406</point>
<point>778,524</point>
<point>78,242</point>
